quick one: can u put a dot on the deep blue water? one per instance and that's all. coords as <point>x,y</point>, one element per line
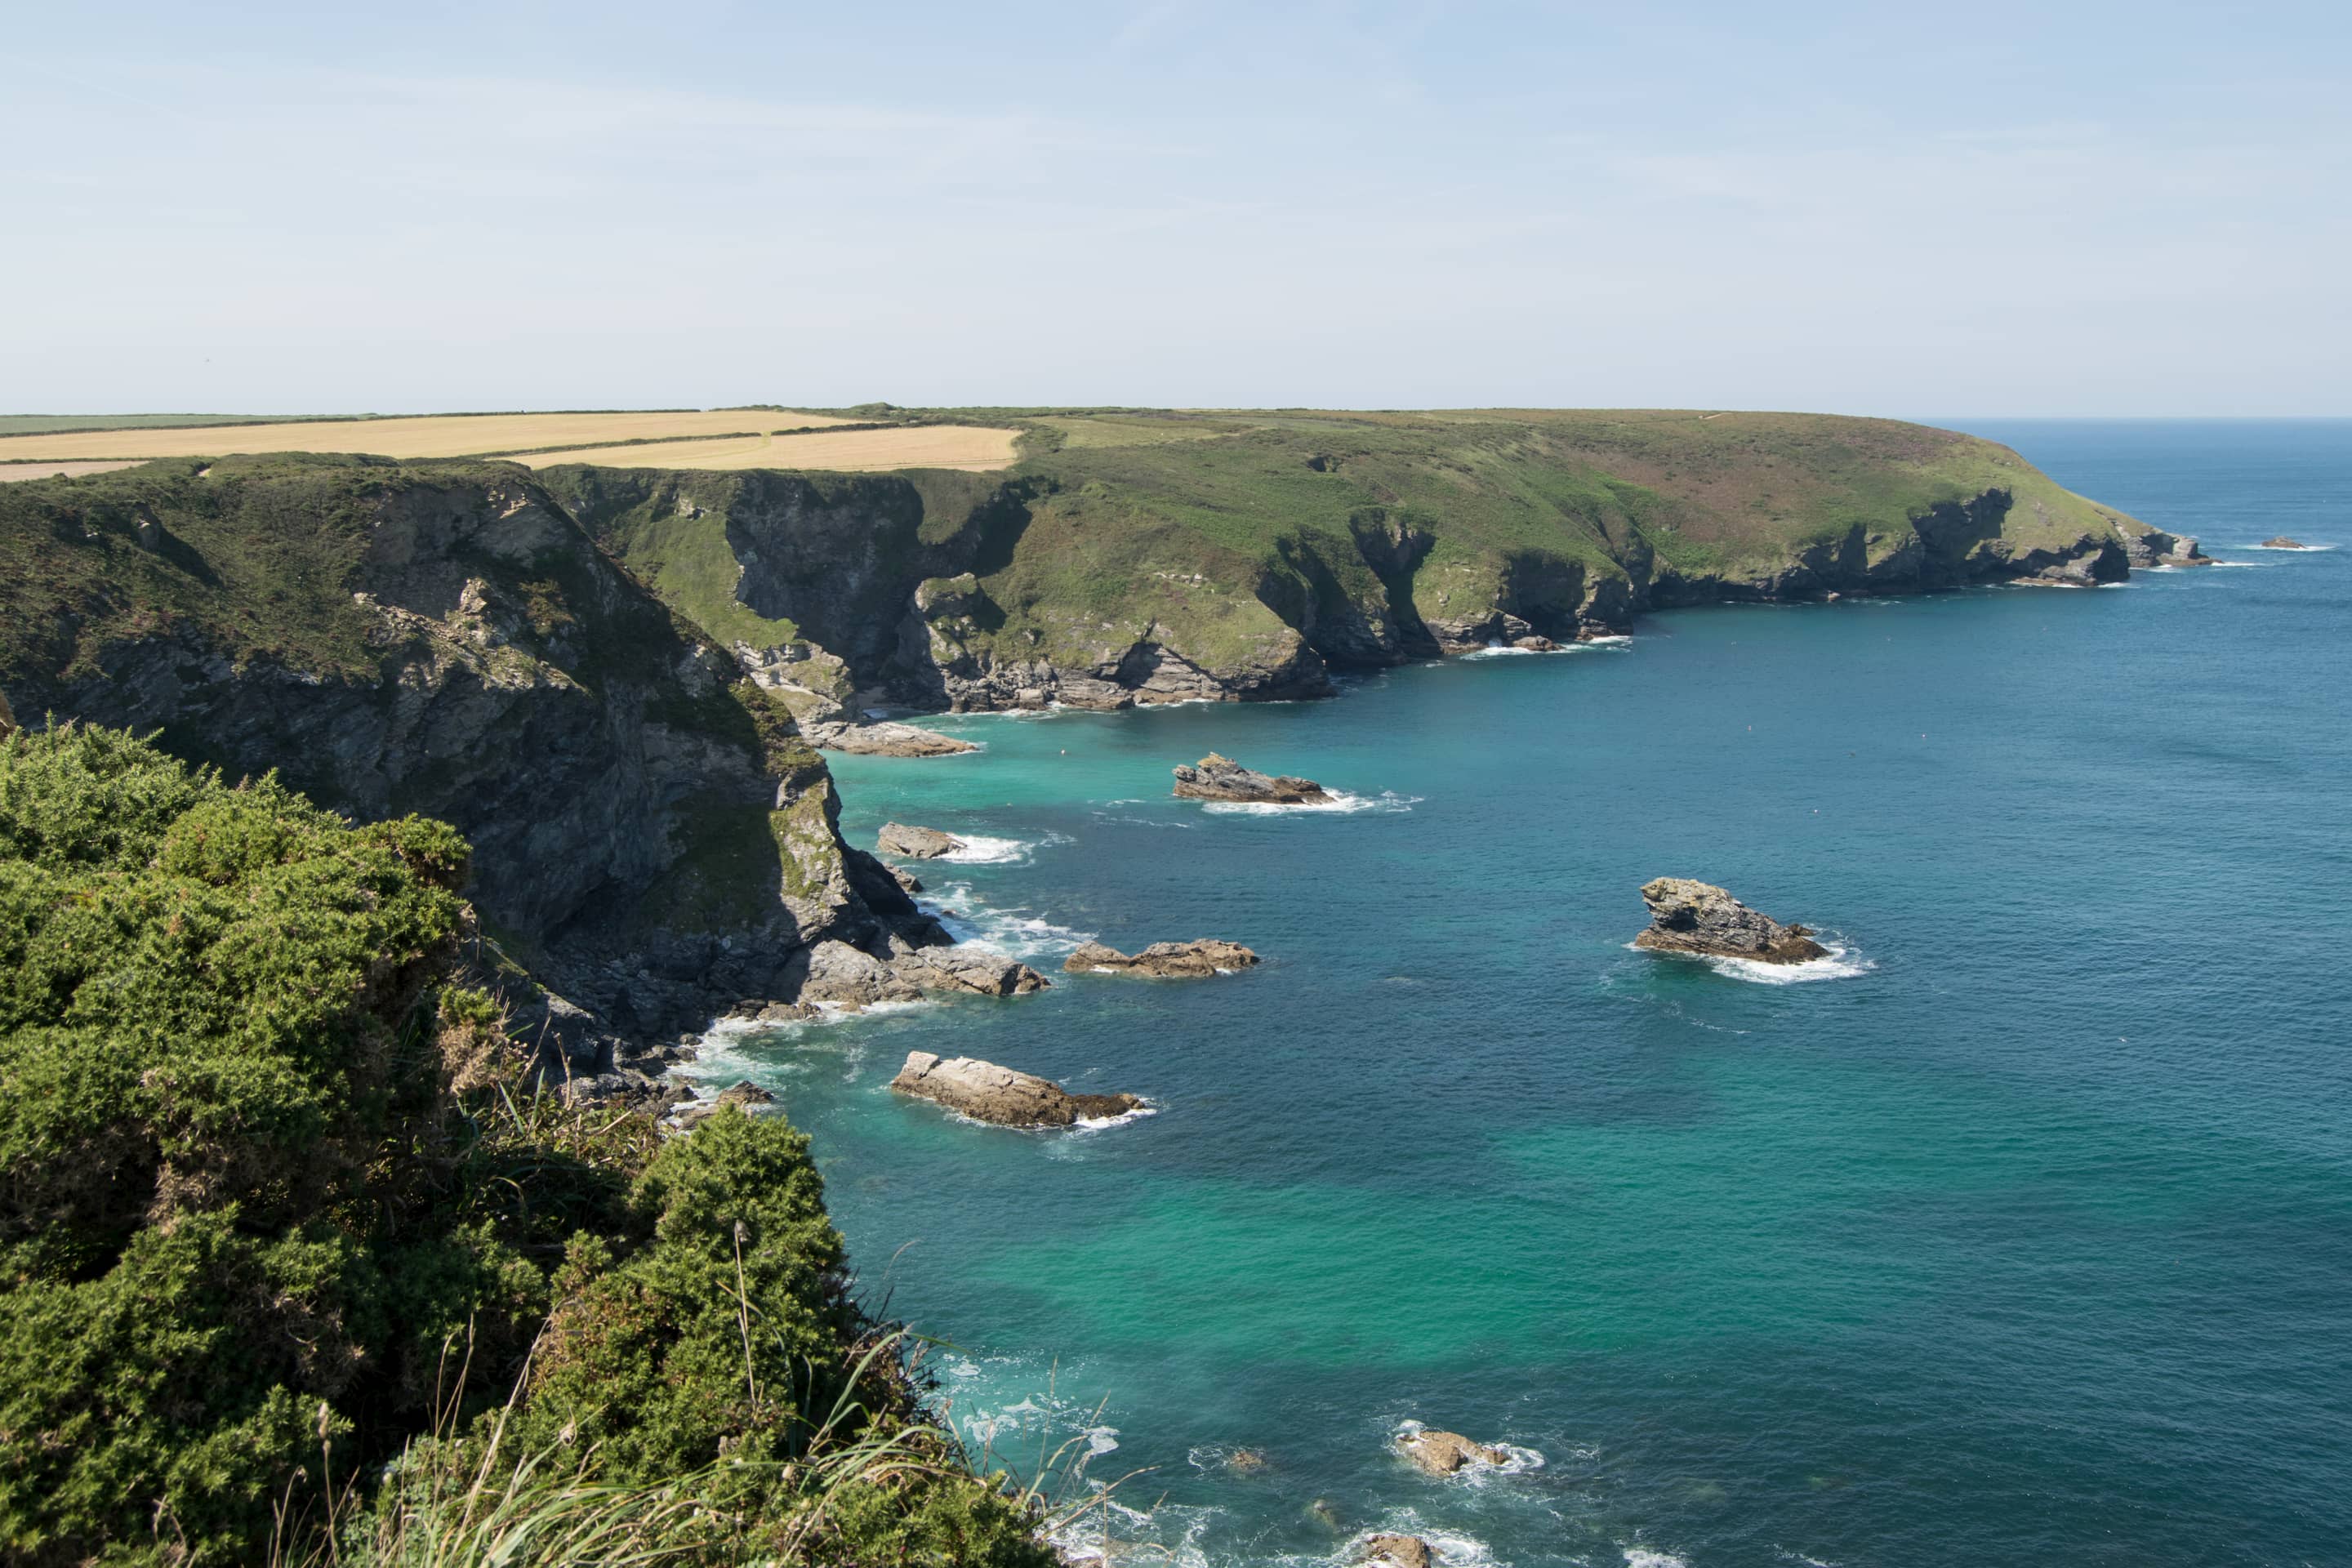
<point>2024,1237</point>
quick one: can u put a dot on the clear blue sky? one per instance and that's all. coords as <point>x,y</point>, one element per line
<point>1991,209</point>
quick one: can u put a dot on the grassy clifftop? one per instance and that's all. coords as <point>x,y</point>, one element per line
<point>1167,553</point>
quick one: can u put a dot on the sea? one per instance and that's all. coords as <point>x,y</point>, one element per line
<point>2018,1231</point>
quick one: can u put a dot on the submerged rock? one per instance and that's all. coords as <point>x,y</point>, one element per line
<point>1687,916</point>
<point>1443,1453</point>
<point>987,1092</point>
<point>1398,1551</point>
<point>1222,778</point>
<point>884,740</point>
<point>2284,543</point>
<point>1166,960</point>
<point>916,843</point>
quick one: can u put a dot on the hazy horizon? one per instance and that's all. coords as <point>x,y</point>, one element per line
<point>2108,213</point>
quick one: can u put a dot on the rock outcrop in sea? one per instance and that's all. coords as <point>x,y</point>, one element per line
<point>884,740</point>
<point>912,843</point>
<point>849,978</point>
<point>1687,916</point>
<point>1398,1551</point>
<point>2284,543</point>
<point>987,1092</point>
<point>2148,546</point>
<point>1222,779</point>
<point>1163,960</point>
<point>1443,1453</point>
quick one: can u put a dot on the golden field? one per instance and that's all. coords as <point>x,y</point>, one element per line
<point>13,472</point>
<point>968,447</point>
<point>431,435</point>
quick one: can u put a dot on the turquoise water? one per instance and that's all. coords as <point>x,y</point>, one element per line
<point>2022,1234</point>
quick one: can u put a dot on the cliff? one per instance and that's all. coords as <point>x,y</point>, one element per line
<point>1155,556</point>
<point>650,834</point>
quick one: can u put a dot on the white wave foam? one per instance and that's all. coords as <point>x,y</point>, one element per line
<point>1615,639</point>
<point>1097,1123</point>
<point>2264,566</point>
<point>1338,802</point>
<point>981,851</point>
<point>1500,650</point>
<point>1643,1557</point>
<point>1516,1460</point>
<point>1013,932</point>
<point>2290,549</point>
<point>1841,964</point>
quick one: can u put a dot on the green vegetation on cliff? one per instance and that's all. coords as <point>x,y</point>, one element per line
<point>287,1243</point>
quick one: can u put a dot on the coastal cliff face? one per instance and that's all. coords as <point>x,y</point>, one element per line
<point>1142,558</point>
<point>649,832</point>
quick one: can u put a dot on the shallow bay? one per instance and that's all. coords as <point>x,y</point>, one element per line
<point>2022,1234</point>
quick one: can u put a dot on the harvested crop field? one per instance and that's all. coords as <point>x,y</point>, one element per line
<point>10,473</point>
<point>968,447</point>
<point>431,436</point>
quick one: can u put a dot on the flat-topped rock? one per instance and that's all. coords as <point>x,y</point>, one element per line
<point>884,740</point>
<point>987,1092</point>
<point>1222,778</point>
<point>2284,543</point>
<point>1443,1453</point>
<point>1687,916</point>
<point>915,843</point>
<point>1398,1551</point>
<point>1165,960</point>
<point>850,979</point>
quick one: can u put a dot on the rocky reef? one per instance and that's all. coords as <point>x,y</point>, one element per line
<point>1443,1453</point>
<point>1398,1551</point>
<point>2283,542</point>
<point>1687,916</point>
<point>1162,960</point>
<point>987,1092</point>
<point>1215,777</point>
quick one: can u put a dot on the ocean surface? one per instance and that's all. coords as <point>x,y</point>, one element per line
<point>2019,1233</point>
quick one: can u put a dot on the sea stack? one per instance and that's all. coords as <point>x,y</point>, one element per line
<point>987,1092</point>
<point>1687,916</point>
<point>1222,778</point>
<point>1162,960</point>
<point>916,843</point>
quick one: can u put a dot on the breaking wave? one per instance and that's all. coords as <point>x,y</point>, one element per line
<point>1337,802</point>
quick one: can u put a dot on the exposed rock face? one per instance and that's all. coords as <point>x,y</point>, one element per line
<point>916,843</point>
<point>2284,543</point>
<point>1687,916</point>
<point>1167,960</point>
<point>846,977</point>
<point>2147,546</point>
<point>1222,778</point>
<point>884,740</point>
<point>986,1093</point>
<point>1443,1453</point>
<point>443,638</point>
<point>1398,1551</point>
<point>7,717</point>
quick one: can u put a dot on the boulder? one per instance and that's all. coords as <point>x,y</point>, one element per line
<point>1532,643</point>
<point>2281,542</point>
<point>916,843</point>
<point>1686,916</point>
<point>1165,960</point>
<point>1443,1453</point>
<point>987,1092</point>
<point>1222,778</point>
<point>1398,1551</point>
<point>884,740</point>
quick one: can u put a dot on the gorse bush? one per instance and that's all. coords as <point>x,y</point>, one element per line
<point>294,1260</point>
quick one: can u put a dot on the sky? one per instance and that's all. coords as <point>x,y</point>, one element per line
<point>2055,209</point>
